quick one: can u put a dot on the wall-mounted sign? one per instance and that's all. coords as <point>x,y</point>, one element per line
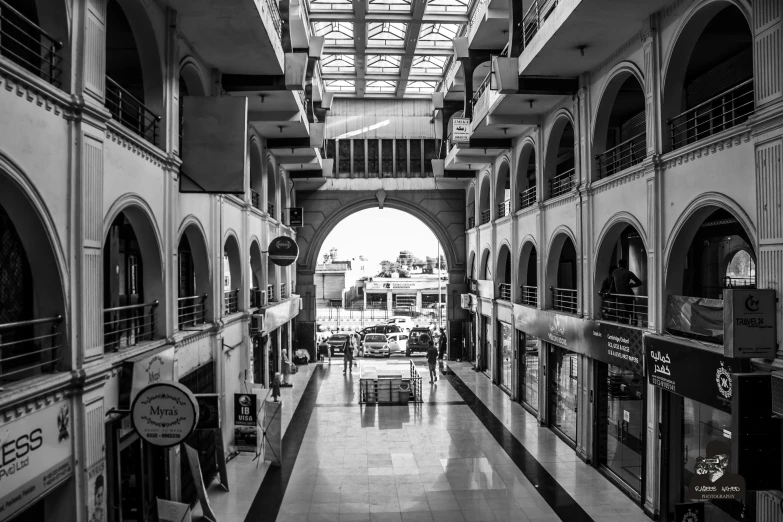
<point>461,130</point>
<point>283,251</point>
<point>296,217</point>
<point>36,457</point>
<point>208,411</point>
<point>749,323</point>
<point>164,414</point>
<point>144,370</point>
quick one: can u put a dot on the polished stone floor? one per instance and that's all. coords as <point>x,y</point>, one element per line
<point>467,453</point>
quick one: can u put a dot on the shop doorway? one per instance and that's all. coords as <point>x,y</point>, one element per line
<point>274,355</point>
<point>505,356</point>
<point>563,377</point>
<point>200,380</point>
<point>486,346</point>
<point>528,350</point>
<point>621,421</point>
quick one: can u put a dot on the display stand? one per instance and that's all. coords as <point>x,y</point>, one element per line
<point>273,448</point>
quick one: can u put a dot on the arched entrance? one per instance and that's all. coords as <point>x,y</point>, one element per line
<point>485,213</point>
<point>503,190</point>
<point>560,164</point>
<point>527,275</point>
<point>503,277</point>
<point>561,275</point>
<point>526,177</point>
<point>470,208</point>
<point>232,276</point>
<point>195,281</point>
<point>256,275</point>
<point>271,189</point>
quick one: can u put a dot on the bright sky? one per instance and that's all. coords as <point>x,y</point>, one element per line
<point>380,234</point>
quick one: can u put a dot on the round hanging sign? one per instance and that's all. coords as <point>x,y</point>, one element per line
<point>283,251</point>
<point>164,414</point>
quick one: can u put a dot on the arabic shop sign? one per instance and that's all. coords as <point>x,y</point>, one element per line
<point>749,319</point>
<point>690,370</point>
<point>165,413</point>
<point>461,130</point>
<point>36,456</point>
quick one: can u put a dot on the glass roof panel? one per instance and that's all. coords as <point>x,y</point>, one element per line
<point>429,64</point>
<point>381,86</point>
<point>420,87</point>
<point>448,6</point>
<point>338,63</point>
<point>390,5</point>
<point>331,5</point>
<point>339,85</point>
<point>438,35</point>
<point>334,33</point>
<point>386,33</point>
<point>383,64</point>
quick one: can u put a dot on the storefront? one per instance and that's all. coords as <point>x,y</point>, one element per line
<point>529,348</point>
<point>563,386</point>
<point>275,337</point>
<point>505,356</point>
<point>201,380</point>
<point>696,390</point>
<point>485,343</point>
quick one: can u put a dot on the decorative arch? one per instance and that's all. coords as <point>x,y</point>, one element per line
<point>485,268</point>
<point>485,199</point>
<point>233,250</point>
<point>503,187</point>
<point>687,225</point>
<point>192,224</point>
<point>527,271</point>
<point>557,242</point>
<point>503,263</point>
<point>255,151</point>
<point>472,273</point>
<point>611,85</point>
<point>192,231</point>
<point>563,118</point>
<point>527,153</point>
<point>190,71</point>
<point>271,186</point>
<point>470,208</point>
<point>256,264</point>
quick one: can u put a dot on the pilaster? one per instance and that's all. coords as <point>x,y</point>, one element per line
<point>652,86</point>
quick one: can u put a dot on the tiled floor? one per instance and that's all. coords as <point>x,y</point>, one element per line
<point>433,461</point>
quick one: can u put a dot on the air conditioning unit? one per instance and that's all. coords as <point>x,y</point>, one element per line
<point>256,324</point>
<point>777,393</point>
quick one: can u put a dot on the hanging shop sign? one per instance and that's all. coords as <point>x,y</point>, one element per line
<point>245,421</point>
<point>749,323</point>
<point>283,251</point>
<point>36,457</point>
<point>144,370</point>
<point>461,130</point>
<point>692,370</point>
<point>296,217</point>
<point>165,413</point>
<point>609,343</point>
<point>208,411</point>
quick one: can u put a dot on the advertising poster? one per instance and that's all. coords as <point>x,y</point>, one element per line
<point>36,456</point>
<point>96,493</point>
<point>246,421</point>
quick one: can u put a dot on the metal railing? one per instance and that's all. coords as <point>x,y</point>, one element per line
<point>536,14</point>
<point>270,293</point>
<point>230,301</point>
<point>527,198</point>
<point>283,290</point>
<point>620,157</point>
<point>471,222</point>
<point>270,208</point>
<point>529,295</point>
<point>276,19</point>
<point>125,326</point>
<point>255,199</point>
<point>721,112</point>
<point>564,299</point>
<point>29,348</point>
<point>504,208</point>
<point>256,298</point>
<point>485,216</point>
<point>28,46</point>
<point>192,310</point>
<point>561,183</point>
<point>625,308</point>
<point>504,293</point>
<point>131,113</point>
<point>417,390</point>
<point>739,282</point>
<point>482,88</point>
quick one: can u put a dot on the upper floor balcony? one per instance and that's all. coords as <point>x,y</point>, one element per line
<point>25,43</point>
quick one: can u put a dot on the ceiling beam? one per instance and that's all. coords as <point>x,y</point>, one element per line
<point>360,45</point>
<point>434,18</point>
<point>411,42</point>
<point>390,77</point>
<point>349,49</point>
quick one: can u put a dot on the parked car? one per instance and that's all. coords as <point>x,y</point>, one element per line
<point>398,342</point>
<point>404,322</point>
<point>418,340</point>
<point>376,345</point>
<point>338,343</point>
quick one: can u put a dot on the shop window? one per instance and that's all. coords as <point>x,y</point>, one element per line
<point>200,380</point>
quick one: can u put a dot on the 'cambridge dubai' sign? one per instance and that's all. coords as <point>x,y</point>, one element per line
<point>36,456</point>
<point>164,414</point>
<point>283,251</point>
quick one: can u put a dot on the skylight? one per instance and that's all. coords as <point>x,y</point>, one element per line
<point>331,5</point>
<point>338,63</point>
<point>429,64</point>
<point>335,33</point>
<point>383,64</point>
<point>448,6</point>
<point>382,86</point>
<point>386,34</point>
<point>438,35</point>
<point>390,5</point>
<point>421,87</point>
<point>340,85</point>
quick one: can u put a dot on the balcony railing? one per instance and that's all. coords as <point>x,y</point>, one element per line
<point>255,199</point>
<point>536,14</point>
<point>283,290</point>
<point>480,91</point>
<point>721,112</point>
<point>527,198</point>
<point>125,326</point>
<point>270,208</point>
<point>131,113</point>
<point>230,301</point>
<point>29,348</point>
<point>529,295</point>
<point>27,45</point>
<point>625,308</point>
<point>504,209</point>
<point>561,183</point>
<point>256,298</point>
<point>471,222</point>
<point>276,19</point>
<point>564,299</point>
<point>620,157</point>
<point>192,310</point>
<point>485,216</point>
<point>270,293</point>
<point>739,282</point>
<point>504,293</point>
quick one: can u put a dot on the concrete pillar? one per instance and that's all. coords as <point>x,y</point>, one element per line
<point>389,300</point>
<point>418,299</point>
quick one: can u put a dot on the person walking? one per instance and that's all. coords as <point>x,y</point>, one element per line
<point>432,360</point>
<point>442,344</point>
<point>624,283</point>
<point>355,342</point>
<point>347,356</point>
<point>323,350</point>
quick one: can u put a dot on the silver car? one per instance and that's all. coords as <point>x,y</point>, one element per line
<point>376,345</point>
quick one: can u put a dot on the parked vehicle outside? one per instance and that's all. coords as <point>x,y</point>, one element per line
<point>404,322</point>
<point>376,345</point>
<point>398,342</point>
<point>338,343</point>
<point>419,341</point>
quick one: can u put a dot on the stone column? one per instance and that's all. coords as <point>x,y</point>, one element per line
<point>418,299</point>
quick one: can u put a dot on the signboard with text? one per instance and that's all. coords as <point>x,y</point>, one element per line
<point>461,130</point>
<point>245,421</point>
<point>36,456</point>
<point>164,414</point>
<point>749,323</point>
<point>295,217</point>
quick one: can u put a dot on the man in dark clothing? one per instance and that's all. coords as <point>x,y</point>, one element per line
<point>608,302</point>
<point>432,360</point>
<point>347,356</point>
<point>624,283</point>
<point>442,344</point>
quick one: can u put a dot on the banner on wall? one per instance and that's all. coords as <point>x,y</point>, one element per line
<point>96,492</point>
<point>36,457</point>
